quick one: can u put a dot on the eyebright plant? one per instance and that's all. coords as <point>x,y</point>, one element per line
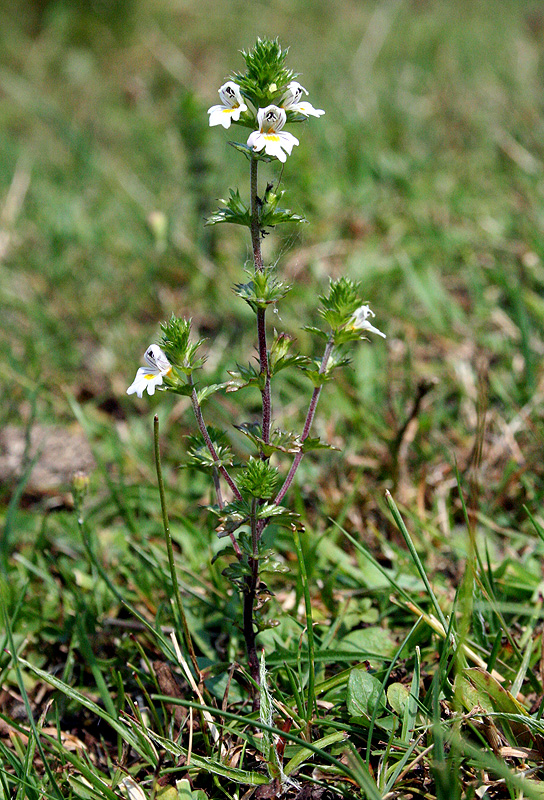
<point>249,496</point>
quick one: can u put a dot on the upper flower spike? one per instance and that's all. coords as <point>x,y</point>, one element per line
<point>231,108</point>
<point>151,376</point>
<point>359,320</point>
<point>291,101</point>
<point>270,136</point>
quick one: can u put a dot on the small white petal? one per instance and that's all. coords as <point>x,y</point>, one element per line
<point>220,116</point>
<point>231,107</point>
<point>230,95</point>
<point>276,143</point>
<point>271,119</point>
<point>292,101</point>
<point>157,359</point>
<point>139,383</point>
<point>256,140</point>
<point>293,94</point>
<point>308,110</point>
<point>288,141</point>
<point>273,148</point>
<point>359,320</point>
<point>371,329</point>
<point>148,378</point>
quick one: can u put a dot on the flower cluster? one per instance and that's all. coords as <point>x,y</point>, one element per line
<point>270,120</point>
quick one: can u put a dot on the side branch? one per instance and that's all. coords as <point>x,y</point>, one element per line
<point>209,444</point>
<point>307,425</point>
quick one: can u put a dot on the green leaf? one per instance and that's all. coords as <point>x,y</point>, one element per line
<point>317,378</point>
<point>278,513</point>
<point>470,696</point>
<point>310,444</point>
<point>301,754</point>
<point>271,214</point>
<point>280,441</point>
<point>370,640</point>
<point>235,211</point>
<point>364,692</point>
<point>266,76</point>
<point>232,516</point>
<point>245,376</point>
<point>207,391</point>
<point>502,699</point>
<point>317,331</point>
<point>243,148</point>
<point>199,455</point>
<point>262,290</point>
<point>397,696</point>
<point>279,356</point>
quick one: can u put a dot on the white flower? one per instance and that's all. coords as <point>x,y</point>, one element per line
<point>270,136</point>
<point>359,320</point>
<point>231,107</point>
<point>291,101</point>
<point>151,376</point>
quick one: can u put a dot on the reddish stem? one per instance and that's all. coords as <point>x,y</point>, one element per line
<point>261,324</point>
<point>209,443</point>
<point>307,425</point>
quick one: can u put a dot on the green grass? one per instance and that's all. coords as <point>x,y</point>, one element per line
<point>424,181</point>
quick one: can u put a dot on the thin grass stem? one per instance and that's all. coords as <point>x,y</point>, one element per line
<point>311,705</point>
<point>170,549</point>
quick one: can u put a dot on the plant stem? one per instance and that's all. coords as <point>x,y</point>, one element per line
<point>250,594</point>
<point>255,226</point>
<point>261,312</point>
<point>263,358</point>
<point>307,425</point>
<point>209,443</point>
<point>170,550</point>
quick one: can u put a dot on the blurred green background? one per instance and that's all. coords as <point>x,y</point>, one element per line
<point>424,181</point>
